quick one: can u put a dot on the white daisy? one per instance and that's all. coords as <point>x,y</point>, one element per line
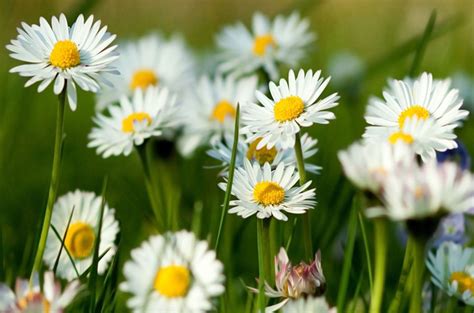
<point>294,105</point>
<point>423,99</point>
<point>452,270</point>
<point>68,55</point>
<point>148,113</point>
<point>48,299</point>
<point>222,151</point>
<point>417,192</point>
<point>174,272</point>
<point>367,165</point>
<point>210,109</point>
<point>310,304</point>
<point>81,234</point>
<point>149,61</point>
<point>270,43</point>
<point>267,193</point>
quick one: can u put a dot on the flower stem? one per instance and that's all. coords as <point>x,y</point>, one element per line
<point>407,263</point>
<point>418,249</point>
<point>261,264</point>
<point>380,234</point>
<point>53,186</point>
<point>308,243</point>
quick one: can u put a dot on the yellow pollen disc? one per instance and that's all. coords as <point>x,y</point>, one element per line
<point>268,193</point>
<point>261,43</point>
<point>395,137</point>
<point>261,155</point>
<point>129,121</point>
<point>287,109</point>
<point>465,281</point>
<point>172,281</point>
<point>222,110</point>
<point>414,111</point>
<point>65,54</point>
<point>80,240</point>
<point>143,78</point>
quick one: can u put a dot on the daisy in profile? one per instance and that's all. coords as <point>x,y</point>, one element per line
<point>81,234</point>
<point>47,298</point>
<point>149,61</point>
<point>266,192</point>
<point>222,151</point>
<point>211,108</point>
<point>148,113</point>
<point>452,270</point>
<point>65,55</point>
<point>408,102</point>
<point>269,44</point>
<point>295,104</point>
<point>174,272</point>
<point>309,304</point>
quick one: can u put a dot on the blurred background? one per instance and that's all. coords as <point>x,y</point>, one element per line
<point>375,38</point>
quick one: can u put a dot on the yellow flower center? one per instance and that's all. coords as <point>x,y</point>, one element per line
<point>65,54</point>
<point>80,240</point>
<point>395,137</point>
<point>261,155</point>
<point>172,281</point>
<point>414,111</point>
<point>128,123</point>
<point>268,193</point>
<point>261,43</point>
<point>143,78</point>
<point>465,281</point>
<point>223,110</point>
<point>287,109</point>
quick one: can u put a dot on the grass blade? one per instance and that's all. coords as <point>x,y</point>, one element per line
<point>367,251</point>
<point>67,252</point>
<point>56,263</point>
<point>109,289</point>
<point>420,50</point>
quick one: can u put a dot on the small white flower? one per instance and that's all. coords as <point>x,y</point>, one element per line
<point>149,61</point>
<point>149,113</point>
<point>345,67</point>
<point>310,304</point>
<point>210,109</point>
<point>222,151</point>
<point>81,234</point>
<point>68,55</point>
<point>174,272</point>
<point>452,270</point>
<point>267,193</point>
<point>420,100</point>
<point>294,105</point>
<point>270,43</point>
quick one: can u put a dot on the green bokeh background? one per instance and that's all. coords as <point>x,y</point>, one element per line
<point>370,29</point>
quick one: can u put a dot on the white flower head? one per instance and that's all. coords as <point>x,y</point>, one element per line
<point>309,304</point>
<point>210,109</point>
<point>68,55</point>
<point>81,235</point>
<point>149,113</point>
<point>452,270</point>
<point>149,61</point>
<point>295,104</point>
<point>267,192</point>
<point>270,43</point>
<point>174,272</point>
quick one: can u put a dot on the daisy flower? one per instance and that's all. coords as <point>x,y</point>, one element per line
<point>174,272</point>
<point>222,151</point>
<point>48,298</point>
<point>267,192</point>
<point>305,305</point>
<point>68,55</point>
<point>420,100</point>
<point>452,270</point>
<point>211,109</point>
<point>81,234</point>
<point>149,113</point>
<point>270,43</point>
<point>149,61</point>
<point>294,104</point>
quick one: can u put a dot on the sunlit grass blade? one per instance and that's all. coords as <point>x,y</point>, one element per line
<point>230,179</point>
<point>67,252</point>
<point>407,264</point>
<point>367,250</point>
<point>63,239</point>
<point>420,50</point>
<point>349,250</point>
<point>356,293</point>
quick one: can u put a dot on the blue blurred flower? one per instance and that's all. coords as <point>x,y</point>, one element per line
<point>451,228</point>
<point>460,155</point>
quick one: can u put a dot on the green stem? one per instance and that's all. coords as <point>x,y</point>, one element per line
<point>53,186</point>
<point>407,263</point>
<point>418,249</point>
<point>308,244</point>
<point>266,249</point>
<point>380,234</point>
<point>261,264</point>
